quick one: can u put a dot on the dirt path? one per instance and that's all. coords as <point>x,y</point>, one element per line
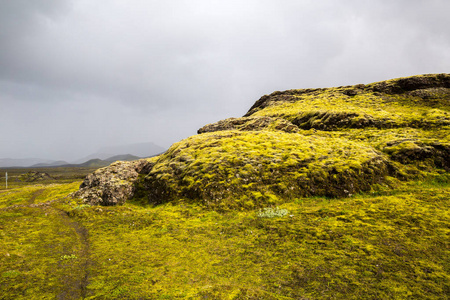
<point>75,277</point>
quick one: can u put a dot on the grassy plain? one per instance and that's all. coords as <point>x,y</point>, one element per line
<point>392,244</point>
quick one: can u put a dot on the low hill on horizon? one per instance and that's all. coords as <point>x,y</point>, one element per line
<point>25,162</point>
<point>138,149</point>
<point>106,154</point>
<point>91,163</point>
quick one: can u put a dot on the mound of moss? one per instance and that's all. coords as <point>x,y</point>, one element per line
<point>244,169</point>
<point>331,142</point>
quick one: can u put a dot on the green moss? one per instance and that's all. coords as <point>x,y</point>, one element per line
<point>267,167</point>
<point>331,110</point>
<point>392,244</point>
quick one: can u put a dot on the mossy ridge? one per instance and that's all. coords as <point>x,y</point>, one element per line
<point>418,101</point>
<point>246,169</point>
<point>332,110</point>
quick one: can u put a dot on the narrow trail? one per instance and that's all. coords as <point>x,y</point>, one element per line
<point>75,279</point>
<point>73,274</point>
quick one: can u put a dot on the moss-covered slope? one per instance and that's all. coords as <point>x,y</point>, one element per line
<point>243,169</point>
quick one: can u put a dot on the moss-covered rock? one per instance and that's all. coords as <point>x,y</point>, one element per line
<point>412,150</point>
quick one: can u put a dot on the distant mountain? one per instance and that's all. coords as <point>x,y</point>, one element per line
<point>25,162</point>
<point>96,155</point>
<point>51,164</point>
<point>126,157</point>
<point>137,150</point>
<point>94,163</point>
<point>90,163</point>
<point>101,158</point>
<point>140,149</point>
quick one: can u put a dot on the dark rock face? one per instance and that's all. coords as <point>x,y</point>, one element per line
<point>334,120</point>
<point>403,85</point>
<point>250,124</point>
<point>114,184</point>
<point>409,151</point>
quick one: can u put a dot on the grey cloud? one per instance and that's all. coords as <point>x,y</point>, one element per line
<point>88,73</point>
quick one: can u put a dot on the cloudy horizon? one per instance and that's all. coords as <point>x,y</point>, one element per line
<point>77,76</point>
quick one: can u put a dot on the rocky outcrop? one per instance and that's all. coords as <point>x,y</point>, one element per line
<point>114,184</point>
<point>408,84</point>
<point>426,87</point>
<point>34,176</point>
<point>250,124</point>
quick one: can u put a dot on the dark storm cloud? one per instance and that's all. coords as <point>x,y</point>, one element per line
<point>90,74</point>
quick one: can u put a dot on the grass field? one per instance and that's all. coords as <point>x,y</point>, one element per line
<point>390,245</point>
<point>57,174</point>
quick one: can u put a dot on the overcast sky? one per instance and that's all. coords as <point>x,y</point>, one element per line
<point>77,75</point>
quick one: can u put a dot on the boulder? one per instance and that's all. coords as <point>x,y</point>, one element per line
<point>113,184</point>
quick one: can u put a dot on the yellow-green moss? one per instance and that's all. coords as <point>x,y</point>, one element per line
<point>389,245</point>
<point>331,110</point>
<point>237,169</point>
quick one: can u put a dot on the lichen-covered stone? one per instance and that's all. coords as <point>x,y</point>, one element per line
<point>113,184</point>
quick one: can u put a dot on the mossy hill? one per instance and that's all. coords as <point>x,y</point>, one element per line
<point>332,142</point>
<point>337,193</point>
